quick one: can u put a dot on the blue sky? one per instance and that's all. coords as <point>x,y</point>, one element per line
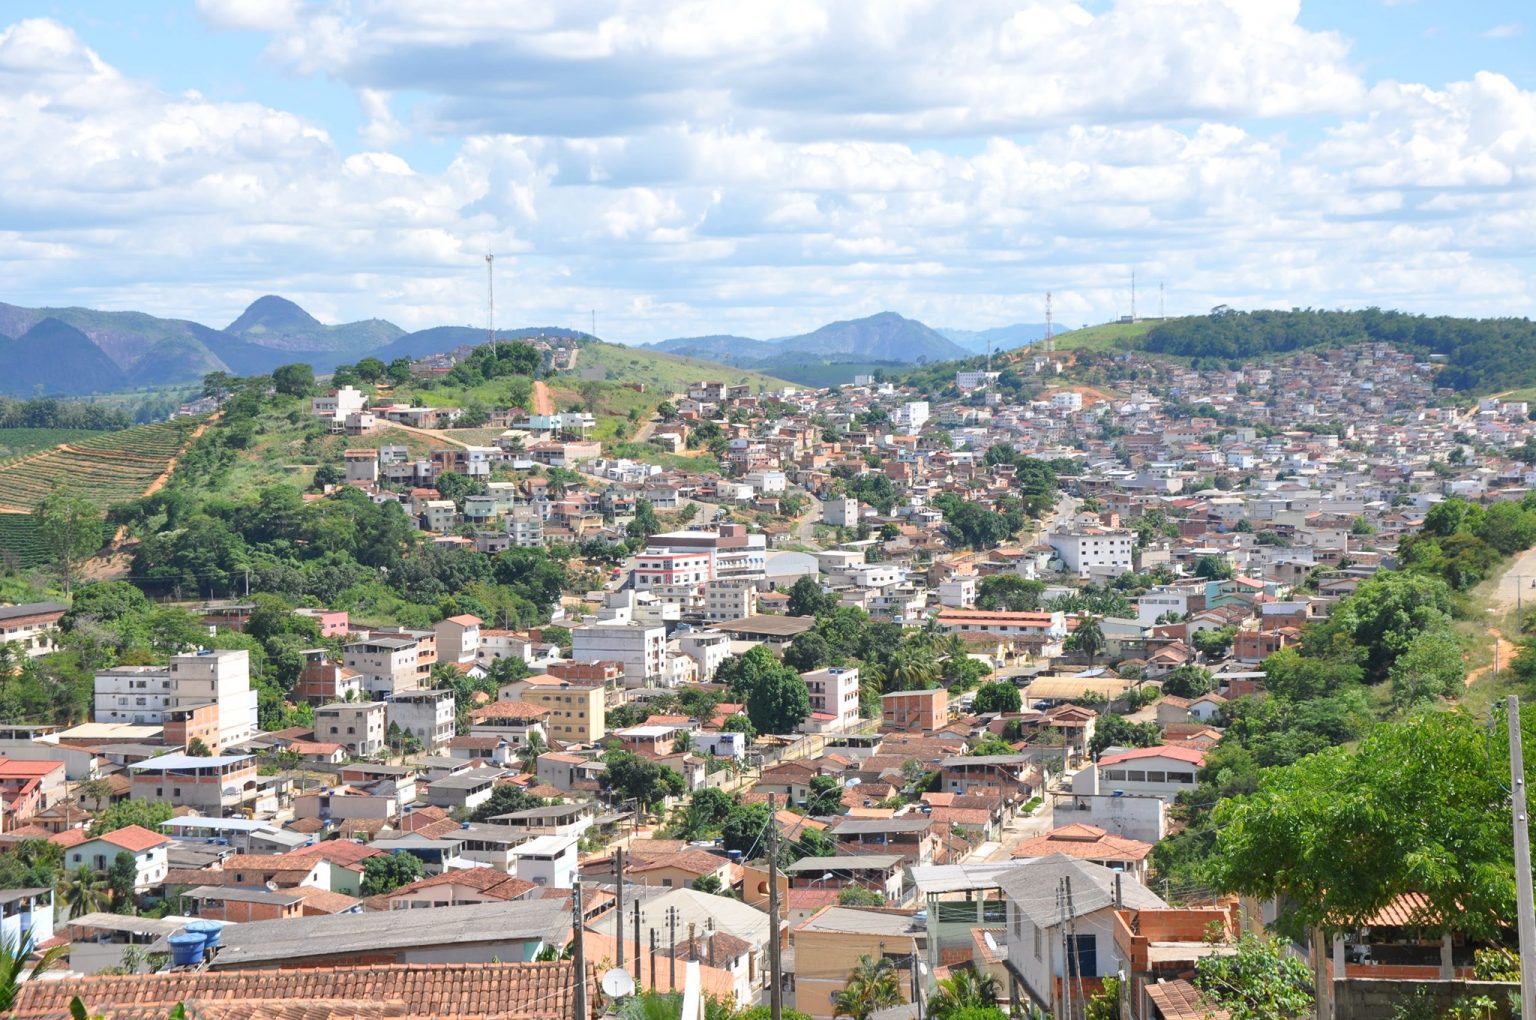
<point>687,169</point>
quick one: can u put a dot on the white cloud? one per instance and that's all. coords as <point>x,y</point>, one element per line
<point>1508,31</point>
<point>259,15</point>
<point>699,169</point>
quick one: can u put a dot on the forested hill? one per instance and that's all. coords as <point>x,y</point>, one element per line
<point>1482,355</point>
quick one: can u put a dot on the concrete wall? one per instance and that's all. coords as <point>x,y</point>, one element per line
<point>1375,999</point>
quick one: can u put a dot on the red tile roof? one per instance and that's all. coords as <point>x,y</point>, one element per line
<point>450,991</point>
<point>508,710</point>
<point>1084,842</point>
<point>134,838</point>
<point>1185,754</point>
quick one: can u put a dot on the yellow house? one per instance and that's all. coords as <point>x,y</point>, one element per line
<point>577,714</point>
<point>828,945</point>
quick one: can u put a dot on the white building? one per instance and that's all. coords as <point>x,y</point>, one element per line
<point>834,695</point>
<point>673,569</point>
<point>1067,400</point>
<point>708,648</point>
<point>967,381</point>
<point>840,512</point>
<point>766,481</point>
<point>729,599</point>
<point>642,649</point>
<point>1162,772</point>
<point>547,861</point>
<point>336,405</point>
<point>426,715</point>
<point>1159,602</point>
<point>458,638</point>
<point>1095,551</point>
<point>912,416</point>
<point>958,592</point>
<point>1042,935</point>
<point>147,695</point>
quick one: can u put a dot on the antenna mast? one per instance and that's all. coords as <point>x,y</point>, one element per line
<point>1050,338</point>
<point>490,302</point>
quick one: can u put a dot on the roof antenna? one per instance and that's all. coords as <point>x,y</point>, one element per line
<point>490,304</point>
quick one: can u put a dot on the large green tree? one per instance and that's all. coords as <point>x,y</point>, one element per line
<point>778,702</point>
<point>998,696</point>
<point>808,598</point>
<point>631,777</point>
<point>1009,592</point>
<point>388,872</point>
<point>1420,806</point>
<point>1259,979</point>
<point>70,527</point>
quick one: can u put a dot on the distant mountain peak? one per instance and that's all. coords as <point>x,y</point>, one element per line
<point>272,314</point>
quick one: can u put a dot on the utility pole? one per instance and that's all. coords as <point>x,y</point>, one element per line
<point>672,946</point>
<point>618,903</point>
<point>653,959</point>
<point>775,973</point>
<point>579,963</point>
<point>1525,910</point>
<point>640,951</point>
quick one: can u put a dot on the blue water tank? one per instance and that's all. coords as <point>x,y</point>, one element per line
<point>209,930</point>
<point>186,949</point>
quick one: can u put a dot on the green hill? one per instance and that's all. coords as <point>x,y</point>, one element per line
<point>1106,337</point>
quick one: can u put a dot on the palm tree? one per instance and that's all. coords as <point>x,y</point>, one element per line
<point>872,985</point>
<point>964,989</point>
<point>13,962</point>
<point>914,671</point>
<point>1089,637</point>
<point>529,753</point>
<point>85,891</point>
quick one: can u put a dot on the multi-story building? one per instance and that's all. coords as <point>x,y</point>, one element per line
<point>834,694</point>
<point>708,648</point>
<point>149,695</point>
<point>1090,552</point>
<point>212,784</point>
<point>427,715</point>
<point>458,638</point>
<point>337,404</point>
<point>915,710</point>
<point>31,627</point>
<point>840,512</point>
<point>673,569</point>
<point>729,599</point>
<point>322,681</point>
<point>390,663</point>
<point>359,726</point>
<point>1034,633</point>
<point>642,649</point>
<point>577,712</point>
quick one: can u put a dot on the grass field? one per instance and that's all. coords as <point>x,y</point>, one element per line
<point>1107,337</point>
<point>106,468</point>
<point>656,370</point>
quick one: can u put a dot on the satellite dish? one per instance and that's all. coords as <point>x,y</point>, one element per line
<point>617,983</point>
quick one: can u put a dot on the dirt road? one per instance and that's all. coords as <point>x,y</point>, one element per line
<point>543,403</point>
<point>1511,594</point>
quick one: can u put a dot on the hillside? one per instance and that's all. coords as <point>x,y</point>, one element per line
<point>441,339</point>
<point>658,369</point>
<point>280,324</point>
<point>832,354</point>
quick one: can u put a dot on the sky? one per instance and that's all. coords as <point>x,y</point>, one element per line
<point>681,167</point>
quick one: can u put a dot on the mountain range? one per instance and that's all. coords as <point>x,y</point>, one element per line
<point>73,351</point>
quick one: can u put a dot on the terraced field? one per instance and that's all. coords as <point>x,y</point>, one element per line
<point>108,468</point>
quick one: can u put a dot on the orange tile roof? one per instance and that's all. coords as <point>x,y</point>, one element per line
<point>448,991</point>
<point>508,710</point>
<point>134,838</point>
<point>1184,754</point>
<point>1180,1000</point>
<point>1084,842</point>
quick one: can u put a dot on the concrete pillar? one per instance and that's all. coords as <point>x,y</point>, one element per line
<point>1447,965</point>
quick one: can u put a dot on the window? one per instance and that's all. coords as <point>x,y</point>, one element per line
<point>1135,776</point>
<point>1039,942</point>
<point>1083,956</point>
<point>1157,777</point>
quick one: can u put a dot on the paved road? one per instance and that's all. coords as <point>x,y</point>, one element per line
<point>1021,829</point>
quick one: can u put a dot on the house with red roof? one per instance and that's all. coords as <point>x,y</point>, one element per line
<point>148,850</point>
<point>27,787</point>
<point>1160,772</point>
<point>1090,843</point>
